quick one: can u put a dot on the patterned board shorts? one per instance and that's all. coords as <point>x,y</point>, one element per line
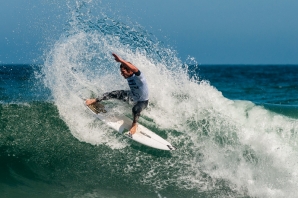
<point>124,95</point>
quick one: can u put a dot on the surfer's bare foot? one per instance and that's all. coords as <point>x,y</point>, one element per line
<point>90,101</point>
<point>133,128</point>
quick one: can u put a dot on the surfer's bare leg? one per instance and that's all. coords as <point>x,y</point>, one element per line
<point>90,101</point>
<point>134,125</point>
<point>136,111</point>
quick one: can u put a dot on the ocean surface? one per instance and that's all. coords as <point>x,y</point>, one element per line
<point>236,137</point>
<point>235,126</point>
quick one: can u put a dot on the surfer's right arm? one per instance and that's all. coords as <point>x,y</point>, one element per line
<point>133,68</point>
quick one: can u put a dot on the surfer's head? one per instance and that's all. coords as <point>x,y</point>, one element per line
<point>125,71</point>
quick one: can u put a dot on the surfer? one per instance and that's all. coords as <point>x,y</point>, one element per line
<point>138,92</point>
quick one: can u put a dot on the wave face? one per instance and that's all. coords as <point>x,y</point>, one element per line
<point>226,148</point>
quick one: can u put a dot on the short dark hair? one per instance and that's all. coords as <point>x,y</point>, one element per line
<point>122,65</point>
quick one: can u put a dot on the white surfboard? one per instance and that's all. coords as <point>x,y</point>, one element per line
<point>122,124</point>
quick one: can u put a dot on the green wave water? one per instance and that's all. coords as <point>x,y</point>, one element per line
<point>40,157</point>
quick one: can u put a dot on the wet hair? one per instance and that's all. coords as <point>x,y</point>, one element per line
<point>126,68</point>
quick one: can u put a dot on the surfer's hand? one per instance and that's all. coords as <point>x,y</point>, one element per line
<point>117,58</point>
<point>133,128</point>
<point>90,101</point>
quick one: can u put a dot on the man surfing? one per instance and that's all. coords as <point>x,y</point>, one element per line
<point>138,91</point>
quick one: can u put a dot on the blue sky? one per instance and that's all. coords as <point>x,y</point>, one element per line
<point>211,31</point>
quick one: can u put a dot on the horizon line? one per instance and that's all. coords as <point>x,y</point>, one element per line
<point>199,64</point>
